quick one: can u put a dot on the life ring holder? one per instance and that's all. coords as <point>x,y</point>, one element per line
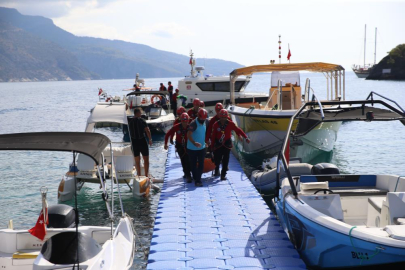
<point>155,96</point>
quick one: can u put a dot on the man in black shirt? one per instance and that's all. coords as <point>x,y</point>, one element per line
<point>138,128</point>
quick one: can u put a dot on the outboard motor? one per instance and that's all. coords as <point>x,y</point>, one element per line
<point>61,216</point>
<point>325,168</point>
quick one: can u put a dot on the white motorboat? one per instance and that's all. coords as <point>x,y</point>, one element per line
<point>214,89</point>
<point>105,115</point>
<point>339,221</point>
<point>66,244</point>
<point>266,123</point>
<point>152,105</point>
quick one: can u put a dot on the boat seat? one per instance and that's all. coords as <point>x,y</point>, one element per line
<point>85,163</point>
<point>396,203</point>
<point>328,204</point>
<point>359,191</point>
<point>376,202</point>
<point>124,163</point>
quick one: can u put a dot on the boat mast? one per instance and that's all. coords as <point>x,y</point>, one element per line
<point>365,31</point>
<point>375,46</point>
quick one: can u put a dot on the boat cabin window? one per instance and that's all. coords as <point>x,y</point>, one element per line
<point>154,112</point>
<point>221,86</point>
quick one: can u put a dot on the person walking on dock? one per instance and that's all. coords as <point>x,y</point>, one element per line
<point>138,128</point>
<point>194,111</point>
<point>218,108</point>
<point>221,143</point>
<point>196,146</point>
<point>179,111</point>
<point>181,143</point>
<point>173,101</point>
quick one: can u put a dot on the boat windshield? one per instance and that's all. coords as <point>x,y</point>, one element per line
<point>286,77</point>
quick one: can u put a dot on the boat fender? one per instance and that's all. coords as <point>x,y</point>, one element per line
<point>156,188</point>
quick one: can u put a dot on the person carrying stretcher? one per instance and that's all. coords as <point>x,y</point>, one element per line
<point>221,143</point>
<point>181,143</point>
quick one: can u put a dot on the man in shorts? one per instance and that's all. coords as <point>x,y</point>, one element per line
<point>138,128</point>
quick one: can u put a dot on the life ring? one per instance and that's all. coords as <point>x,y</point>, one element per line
<point>155,96</point>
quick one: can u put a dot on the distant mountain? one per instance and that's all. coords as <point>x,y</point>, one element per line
<point>391,67</point>
<point>25,57</point>
<point>91,58</point>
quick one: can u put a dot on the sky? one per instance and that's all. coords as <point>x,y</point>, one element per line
<point>244,31</point>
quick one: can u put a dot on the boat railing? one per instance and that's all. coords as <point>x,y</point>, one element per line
<point>280,96</point>
<point>308,90</point>
<point>371,97</point>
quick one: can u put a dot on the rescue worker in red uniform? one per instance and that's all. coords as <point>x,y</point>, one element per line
<point>179,111</point>
<point>181,143</point>
<point>202,104</point>
<point>194,111</point>
<point>221,143</point>
<point>218,108</point>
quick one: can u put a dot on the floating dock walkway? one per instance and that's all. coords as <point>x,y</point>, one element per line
<point>222,225</point>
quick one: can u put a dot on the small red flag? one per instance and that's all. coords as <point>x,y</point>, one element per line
<point>100,91</point>
<point>39,230</point>
<point>289,54</point>
<point>191,61</point>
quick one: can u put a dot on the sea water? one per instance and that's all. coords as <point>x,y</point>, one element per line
<point>376,147</point>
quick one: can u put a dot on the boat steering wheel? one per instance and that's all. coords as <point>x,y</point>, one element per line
<point>324,190</point>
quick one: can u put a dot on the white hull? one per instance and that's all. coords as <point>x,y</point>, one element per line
<point>122,245</point>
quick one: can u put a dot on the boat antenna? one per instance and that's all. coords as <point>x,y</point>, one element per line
<point>375,46</point>
<point>365,32</point>
<point>192,62</point>
<point>279,49</point>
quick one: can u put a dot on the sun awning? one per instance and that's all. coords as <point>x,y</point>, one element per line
<point>90,144</point>
<point>313,67</point>
<point>308,120</point>
<point>105,112</point>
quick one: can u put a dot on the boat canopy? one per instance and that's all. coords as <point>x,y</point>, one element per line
<point>105,112</point>
<point>358,111</point>
<point>311,114</point>
<point>90,144</point>
<point>313,67</point>
<point>162,93</point>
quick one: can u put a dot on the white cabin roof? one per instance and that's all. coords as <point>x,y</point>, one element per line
<point>106,112</point>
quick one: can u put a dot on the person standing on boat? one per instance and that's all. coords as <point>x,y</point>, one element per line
<point>221,142</point>
<point>138,128</point>
<point>196,146</point>
<point>162,87</point>
<point>170,89</point>
<point>193,111</point>
<point>173,101</point>
<point>181,143</point>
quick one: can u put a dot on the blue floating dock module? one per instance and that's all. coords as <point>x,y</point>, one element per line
<point>222,225</point>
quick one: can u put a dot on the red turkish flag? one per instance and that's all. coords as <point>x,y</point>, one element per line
<point>191,61</point>
<point>39,230</point>
<point>289,54</point>
<point>100,91</point>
